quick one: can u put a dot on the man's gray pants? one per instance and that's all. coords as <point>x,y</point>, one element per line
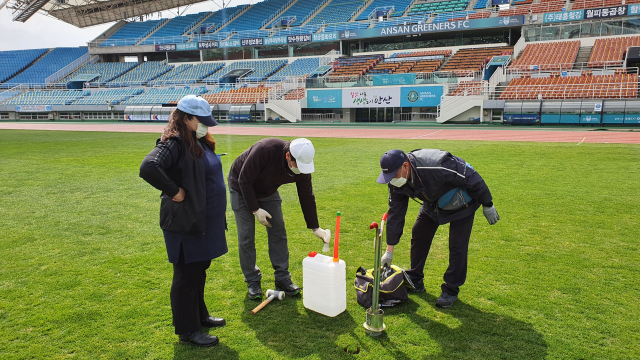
<point>276,234</point>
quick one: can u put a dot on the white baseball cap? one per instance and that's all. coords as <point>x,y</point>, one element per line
<point>302,150</point>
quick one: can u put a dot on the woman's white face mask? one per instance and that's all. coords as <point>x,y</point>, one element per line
<point>202,130</point>
<point>398,182</point>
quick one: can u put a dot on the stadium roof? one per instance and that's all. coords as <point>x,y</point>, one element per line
<point>83,13</point>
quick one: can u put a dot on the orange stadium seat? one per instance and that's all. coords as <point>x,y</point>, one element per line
<point>548,56</point>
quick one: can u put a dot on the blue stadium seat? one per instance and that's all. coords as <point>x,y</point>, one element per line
<point>131,33</point>
<point>163,96</point>
<point>219,17</point>
<point>111,97</point>
<point>107,71</point>
<point>301,10</point>
<point>481,4</point>
<point>172,31</point>
<point>48,65</point>
<point>261,70</point>
<point>400,7</point>
<point>338,11</point>
<point>298,68</point>
<point>253,18</point>
<point>141,75</point>
<point>187,74</point>
<point>48,97</point>
<point>12,62</point>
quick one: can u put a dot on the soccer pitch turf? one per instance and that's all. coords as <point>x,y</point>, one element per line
<point>84,273</point>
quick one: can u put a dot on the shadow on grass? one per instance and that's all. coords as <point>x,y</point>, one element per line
<point>291,332</point>
<point>477,334</point>
<point>220,351</point>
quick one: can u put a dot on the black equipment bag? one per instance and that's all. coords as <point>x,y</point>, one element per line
<point>392,291</point>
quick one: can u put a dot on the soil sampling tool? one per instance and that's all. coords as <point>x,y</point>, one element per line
<point>271,294</point>
<point>374,326</point>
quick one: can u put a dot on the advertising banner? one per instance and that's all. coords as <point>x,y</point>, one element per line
<point>204,45</point>
<point>607,12</point>
<point>324,99</point>
<point>252,42</point>
<point>632,119</point>
<point>432,27</point>
<point>633,10</point>
<point>276,40</point>
<point>563,16</point>
<point>229,43</point>
<point>421,96</point>
<point>294,39</point>
<point>329,36</point>
<point>33,108</point>
<point>521,118</point>
<point>166,47</point>
<point>371,97</point>
<point>187,46</point>
<point>394,79</point>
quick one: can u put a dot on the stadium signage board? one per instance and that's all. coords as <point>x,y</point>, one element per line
<point>607,12</point>
<point>371,97</point>
<point>328,36</point>
<point>204,45</point>
<point>433,27</point>
<point>230,43</point>
<point>33,108</point>
<point>166,47</point>
<point>563,16</point>
<point>394,79</point>
<point>324,99</point>
<point>187,46</point>
<point>633,9</point>
<point>294,39</point>
<point>276,40</point>
<point>252,42</point>
<point>421,96</point>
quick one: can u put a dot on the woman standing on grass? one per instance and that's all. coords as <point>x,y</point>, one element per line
<point>185,167</point>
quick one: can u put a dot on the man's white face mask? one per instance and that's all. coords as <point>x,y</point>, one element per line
<point>398,182</point>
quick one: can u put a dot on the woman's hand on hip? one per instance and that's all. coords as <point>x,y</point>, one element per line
<point>179,196</point>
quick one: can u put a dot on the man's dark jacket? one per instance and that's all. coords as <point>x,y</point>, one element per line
<point>433,173</point>
<point>168,167</point>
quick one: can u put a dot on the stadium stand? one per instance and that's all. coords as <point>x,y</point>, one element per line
<point>345,26</point>
<point>466,61</point>
<point>48,65</point>
<point>468,88</point>
<point>446,53</point>
<point>437,7</point>
<point>12,62</point>
<point>548,56</point>
<point>218,17</point>
<point>400,6</point>
<point>410,66</point>
<point>170,32</point>
<point>187,74</point>
<point>481,4</point>
<point>299,68</point>
<point>611,51</point>
<point>164,96</point>
<point>453,16</point>
<point>354,66</point>
<point>132,33</point>
<point>111,97</point>
<point>543,7</point>
<point>585,86</point>
<point>408,20</point>
<point>107,71</point>
<point>261,70</point>
<point>48,97</point>
<point>257,14</point>
<point>594,4</point>
<point>296,94</point>
<point>337,11</point>
<point>243,95</point>
<point>142,74</point>
<point>300,10</point>
<point>307,29</point>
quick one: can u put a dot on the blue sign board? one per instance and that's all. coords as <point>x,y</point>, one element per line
<point>521,118</point>
<point>328,36</point>
<point>634,9</point>
<point>613,118</point>
<point>432,27</point>
<point>632,119</point>
<point>187,46</point>
<point>276,40</point>
<point>229,43</point>
<point>420,96</point>
<point>394,79</point>
<point>324,99</point>
<point>572,15</point>
<point>590,119</point>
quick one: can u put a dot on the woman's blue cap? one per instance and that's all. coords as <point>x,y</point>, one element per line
<point>198,107</point>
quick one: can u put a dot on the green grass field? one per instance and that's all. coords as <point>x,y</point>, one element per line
<point>84,272</point>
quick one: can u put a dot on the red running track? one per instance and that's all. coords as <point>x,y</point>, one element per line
<point>577,136</point>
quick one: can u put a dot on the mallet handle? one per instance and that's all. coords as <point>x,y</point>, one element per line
<point>263,304</point>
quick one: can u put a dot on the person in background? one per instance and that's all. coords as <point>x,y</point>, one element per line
<point>254,179</point>
<point>185,167</point>
<point>451,191</point>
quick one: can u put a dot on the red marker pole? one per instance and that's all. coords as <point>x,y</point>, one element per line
<point>337,240</point>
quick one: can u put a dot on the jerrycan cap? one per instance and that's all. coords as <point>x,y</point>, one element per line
<point>313,254</point>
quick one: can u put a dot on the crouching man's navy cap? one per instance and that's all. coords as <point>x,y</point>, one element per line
<point>390,163</point>
<point>198,107</point>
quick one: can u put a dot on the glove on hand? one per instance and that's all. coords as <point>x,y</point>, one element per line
<point>491,214</point>
<point>386,258</point>
<point>262,215</point>
<point>325,236</point>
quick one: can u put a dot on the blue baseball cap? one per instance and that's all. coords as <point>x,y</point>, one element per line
<point>198,107</point>
<point>390,163</point>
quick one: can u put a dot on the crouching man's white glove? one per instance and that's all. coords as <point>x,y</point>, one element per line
<point>262,215</point>
<point>325,236</point>
<point>386,258</point>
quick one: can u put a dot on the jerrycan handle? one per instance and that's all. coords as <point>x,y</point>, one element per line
<point>337,239</point>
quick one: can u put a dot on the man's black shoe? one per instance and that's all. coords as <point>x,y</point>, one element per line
<point>255,290</point>
<point>288,287</point>
<point>445,300</point>
<point>213,322</point>
<point>417,289</point>
<point>199,338</point>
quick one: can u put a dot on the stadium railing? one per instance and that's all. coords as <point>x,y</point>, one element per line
<point>85,59</point>
<point>516,70</point>
<point>437,77</point>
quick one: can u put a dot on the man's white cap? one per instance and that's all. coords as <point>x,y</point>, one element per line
<point>302,150</point>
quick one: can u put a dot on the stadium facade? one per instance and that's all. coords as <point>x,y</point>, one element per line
<point>524,62</point>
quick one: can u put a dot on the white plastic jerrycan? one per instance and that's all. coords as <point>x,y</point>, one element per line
<point>324,284</point>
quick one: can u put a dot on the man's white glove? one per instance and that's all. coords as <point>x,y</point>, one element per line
<point>262,215</point>
<point>325,236</point>
<point>491,214</point>
<point>386,258</point>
